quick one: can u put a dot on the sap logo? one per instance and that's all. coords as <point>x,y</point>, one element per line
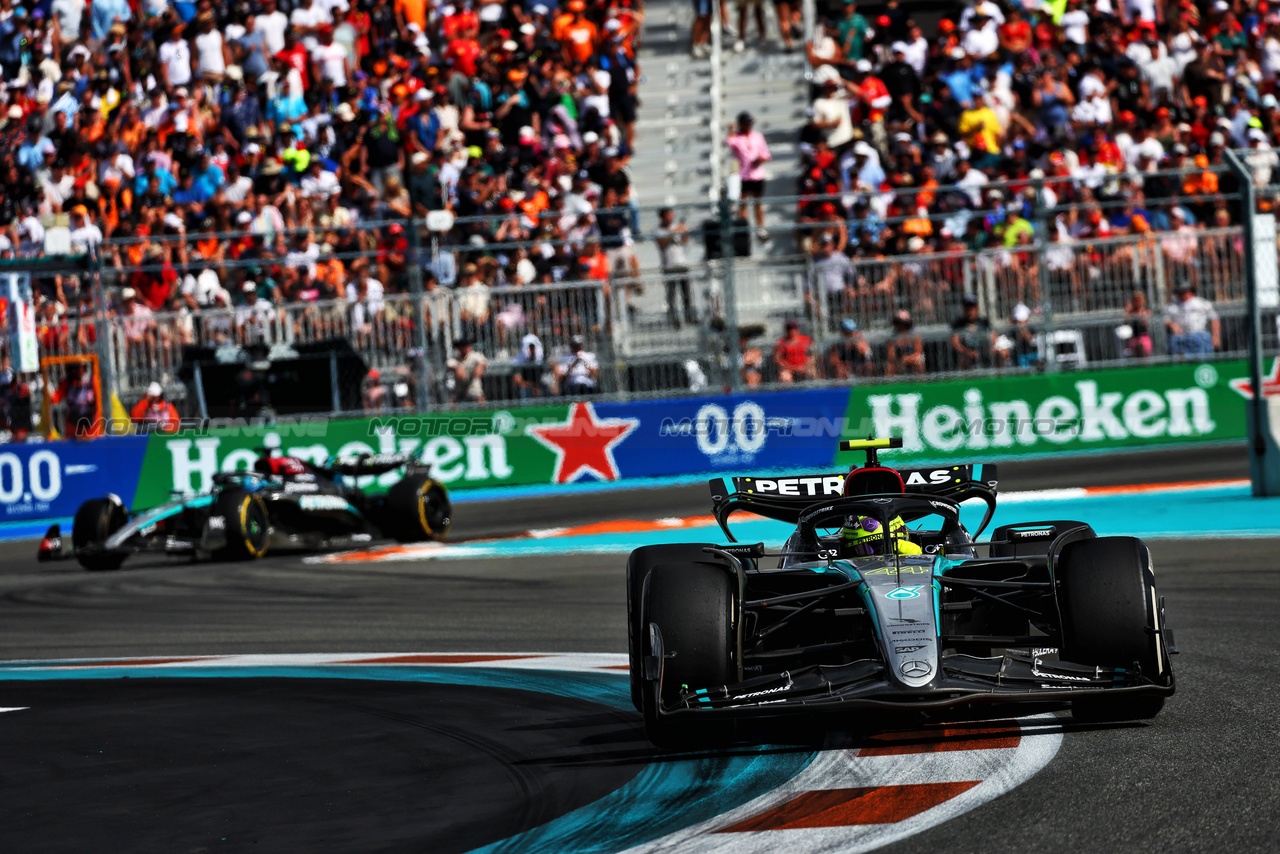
<point>936,477</point>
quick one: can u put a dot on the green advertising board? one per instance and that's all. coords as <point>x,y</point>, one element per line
<point>471,449</point>
<point>978,418</point>
<point>1070,412</point>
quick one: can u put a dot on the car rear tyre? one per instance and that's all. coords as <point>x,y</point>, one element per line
<point>95,521</point>
<point>1106,592</point>
<point>694,609</point>
<point>248,526</point>
<point>639,565</point>
<point>419,508</point>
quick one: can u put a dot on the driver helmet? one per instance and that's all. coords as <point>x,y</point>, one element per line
<point>281,466</point>
<point>861,537</point>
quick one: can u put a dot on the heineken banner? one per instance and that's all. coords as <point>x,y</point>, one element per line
<point>981,419</point>
<point>984,418</point>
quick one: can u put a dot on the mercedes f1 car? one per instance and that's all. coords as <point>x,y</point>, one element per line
<point>284,502</point>
<point>881,599</point>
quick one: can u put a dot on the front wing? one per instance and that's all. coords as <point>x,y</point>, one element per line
<point>964,681</point>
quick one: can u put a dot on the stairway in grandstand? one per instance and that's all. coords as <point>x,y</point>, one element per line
<point>673,161</point>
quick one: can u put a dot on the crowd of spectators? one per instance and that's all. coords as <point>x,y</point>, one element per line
<point>975,342</point>
<point>305,133</point>
<point>934,143</point>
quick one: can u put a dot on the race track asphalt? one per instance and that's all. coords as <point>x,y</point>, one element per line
<point>286,765</point>
<point>1203,776</point>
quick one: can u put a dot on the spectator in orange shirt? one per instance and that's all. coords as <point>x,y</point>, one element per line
<point>579,37</point>
<point>330,271</point>
<point>563,20</point>
<point>411,12</point>
<point>154,414</point>
<point>595,264</point>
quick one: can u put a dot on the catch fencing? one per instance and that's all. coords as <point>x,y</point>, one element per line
<point>652,331</point>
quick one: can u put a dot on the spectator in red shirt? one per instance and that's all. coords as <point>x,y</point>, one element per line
<point>294,58</point>
<point>155,286</point>
<point>84,411</point>
<point>1015,33</point>
<point>463,53</point>
<point>873,100</point>
<point>792,355</point>
<point>393,250</point>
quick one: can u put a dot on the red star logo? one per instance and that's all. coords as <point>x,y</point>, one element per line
<point>1270,383</point>
<point>584,443</point>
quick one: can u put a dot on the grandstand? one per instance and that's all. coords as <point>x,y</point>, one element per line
<point>264,184</point>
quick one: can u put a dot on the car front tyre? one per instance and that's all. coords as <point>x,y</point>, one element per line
<point>693,607</point>
<point>95,521</point>
<point>419,509</point>
<point>1106,592</point>
<point>248,525</point>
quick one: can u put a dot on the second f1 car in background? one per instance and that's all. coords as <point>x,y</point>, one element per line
<point>284,503</point>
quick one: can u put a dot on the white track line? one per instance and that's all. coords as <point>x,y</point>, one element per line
<point>571,662</point>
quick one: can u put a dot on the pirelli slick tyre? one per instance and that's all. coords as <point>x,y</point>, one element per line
<point>1110,618</point>
<point>693,606</point>
<point>639,565</point>
<point>95,521</point>
<point>419,509</point>
<point>248,527</point>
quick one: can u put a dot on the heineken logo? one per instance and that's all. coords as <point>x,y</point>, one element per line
<point>1089,415</point>
<point>194,461</point>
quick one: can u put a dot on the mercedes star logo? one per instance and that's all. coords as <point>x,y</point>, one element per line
<point>916,669</point>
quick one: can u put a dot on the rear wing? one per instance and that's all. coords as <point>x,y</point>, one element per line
<point>786,498</point>
<point>360,465</point>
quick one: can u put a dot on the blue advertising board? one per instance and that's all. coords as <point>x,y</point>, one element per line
<point>751,432</point>
<point>43,480</point>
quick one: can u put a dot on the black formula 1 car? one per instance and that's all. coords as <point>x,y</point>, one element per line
<point>880,600</point>
<point>284,502</point>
